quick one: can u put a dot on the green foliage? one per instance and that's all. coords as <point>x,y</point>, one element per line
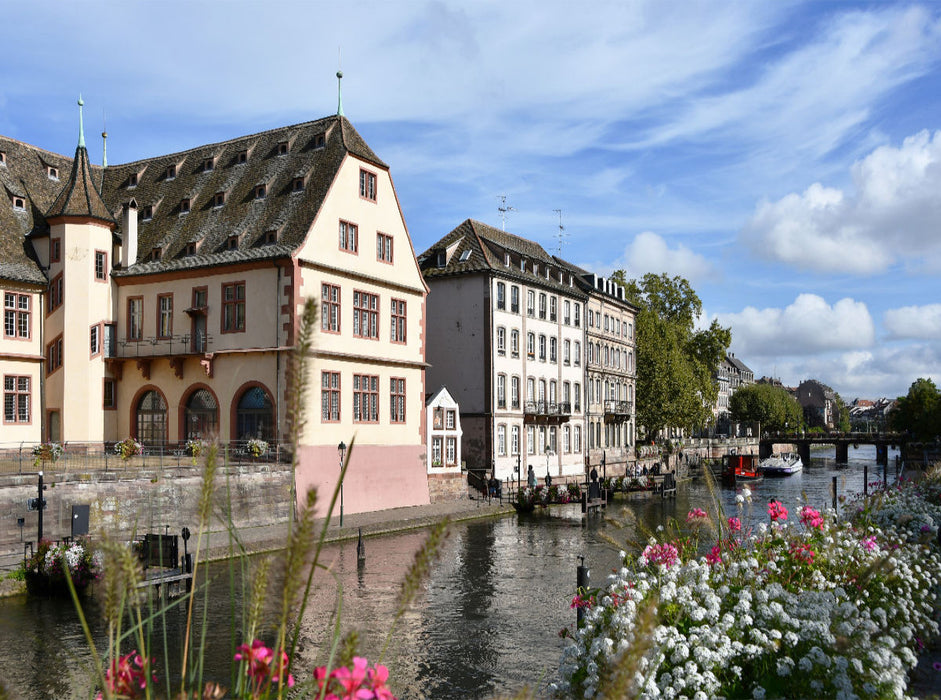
<point>676,363</point>
<point>842,415</point>
<point>918,412</point>
<point>772,406</point>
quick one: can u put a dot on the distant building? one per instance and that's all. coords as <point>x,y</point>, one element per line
<point>818,402</point>
<point>446,479</point>
<point>731,375</point>
<point>870,416</point>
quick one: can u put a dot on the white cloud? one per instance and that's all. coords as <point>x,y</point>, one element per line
<point>649,252</point>
<point>914,322</point>
<point>892,215</point>
<point>807,326</point>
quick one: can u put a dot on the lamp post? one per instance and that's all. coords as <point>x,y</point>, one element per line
<point>341,448</point>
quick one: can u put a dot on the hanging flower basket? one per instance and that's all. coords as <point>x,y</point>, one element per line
<point>127,448</point>
<point>256,447</point>
<point>46,452</point>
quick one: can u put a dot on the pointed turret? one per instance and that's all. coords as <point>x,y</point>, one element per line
<point>80,196</point>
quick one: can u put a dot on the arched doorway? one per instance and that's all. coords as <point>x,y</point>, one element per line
<point>254,415</point>
<point>151,419</point>
<point>201,416</point>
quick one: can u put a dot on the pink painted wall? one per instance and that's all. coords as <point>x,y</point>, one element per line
<point>379,477</point>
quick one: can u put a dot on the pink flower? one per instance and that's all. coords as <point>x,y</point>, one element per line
<point>126,676</point>
<point>869,544</point>
<point>811,518</point>
<point>777,511</point>
<point>579,602</point>
<point>258,666</point>
<point>803,553</point>
<point>358,683</point>
<point>715,556</point>
<point>735,525</point>
<point>696,516</point>
<point>665,554</point>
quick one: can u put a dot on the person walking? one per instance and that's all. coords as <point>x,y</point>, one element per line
<point>531,477</point>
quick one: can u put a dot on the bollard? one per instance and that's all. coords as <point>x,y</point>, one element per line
<point>360,548</point>
<point>582,579</point>
<point>834,494</point>
<point>865,479</point>
<point>885,474</point>
<point>585,501</point>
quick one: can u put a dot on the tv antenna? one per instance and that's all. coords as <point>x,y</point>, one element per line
<point>503,209</point>
<point>561,234</point>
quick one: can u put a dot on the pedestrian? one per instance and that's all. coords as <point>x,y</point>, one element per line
<point>548,479</point>
<point>531,477</point>
<point>594,474</point>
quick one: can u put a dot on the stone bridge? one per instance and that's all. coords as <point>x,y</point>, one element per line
<point>841,441</point>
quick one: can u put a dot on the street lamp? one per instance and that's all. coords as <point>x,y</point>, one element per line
<point>341,448</point>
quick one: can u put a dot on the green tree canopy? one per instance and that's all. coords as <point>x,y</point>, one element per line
<point>771,406</point>
<point>919,412</point>
<point>676,364</point>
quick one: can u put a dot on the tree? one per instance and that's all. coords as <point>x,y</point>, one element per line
<point>771,406</point>
<point>919,412</point>
<point>842,415</point>
<point>676,364</point>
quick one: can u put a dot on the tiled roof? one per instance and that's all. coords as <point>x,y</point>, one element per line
<point>80,195</point>
<point>314,152</point>
<point>477,247</point>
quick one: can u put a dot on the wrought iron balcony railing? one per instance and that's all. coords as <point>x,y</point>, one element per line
<point>548,408</point>
<point>619,408</point>
<point>155,346</point>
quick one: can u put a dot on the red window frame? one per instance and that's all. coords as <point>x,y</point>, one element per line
<point>365,315</point>
<point>161,318</point>
<point>109,395</point>
<point>349,237</point>
<point>95,339</point>
<point>365,398</point>
<point>384,249</point>
<point>232,321</point>
<point>13,395</point>
<point>55,250</point>
<point>101,266</point>
<point>134,330</point>
<point>17,316</point>
<point>329,397</point>
<point>368,185</point>
<point>56,293</point>
<point>330,307</point>
<point>54,350</point>
<point>397,400</point>
<point>399,317</point>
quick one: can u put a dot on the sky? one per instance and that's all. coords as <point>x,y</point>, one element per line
<point>784,157</point>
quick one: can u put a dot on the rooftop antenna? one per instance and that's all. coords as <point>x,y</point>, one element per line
<point>503,209</point>
<point>561,234</point>
<point>339,85</point>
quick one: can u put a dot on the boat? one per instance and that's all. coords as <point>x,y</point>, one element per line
<point>740,468</point>
<point>784,464</point>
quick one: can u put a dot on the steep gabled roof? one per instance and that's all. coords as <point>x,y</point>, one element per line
<point>80,197</point>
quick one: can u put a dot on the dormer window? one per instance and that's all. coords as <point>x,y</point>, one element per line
<point>260,191</point>
<point>132,180</point>
<point>232,242</point>
<point>185,206</point>
<point>465,255</point>
<point>171,172</point>
<point>282,149</point>
<point>319,141</point>
<point>3,158</point>
<point>442,259</point>
<point>208,164</point>
<point>147,213</point>
<point>241,157</point>
<point>218,199</point>
<point>297,184</point>
<point>155,254</point>
<point>19,203</point>
<point>271,237</point>
<point>190,249</point>
<point>53,173</point>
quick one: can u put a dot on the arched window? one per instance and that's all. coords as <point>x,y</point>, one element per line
<point>254,416</point>
<point>151,414</point>
<point>201,416</point>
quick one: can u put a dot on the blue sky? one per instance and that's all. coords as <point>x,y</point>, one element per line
<point>785,157</point>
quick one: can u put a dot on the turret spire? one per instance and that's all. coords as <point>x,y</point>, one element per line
<point>81,125</point>
<point>339,93</point>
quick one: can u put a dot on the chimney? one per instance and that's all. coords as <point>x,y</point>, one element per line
<point>129,225</point>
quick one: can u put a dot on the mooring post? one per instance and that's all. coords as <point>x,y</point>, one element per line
<point>885,474</point>
<point>360,548</point>
<point>582,578</point>
<point>834,493</point>
<point>865,479</point>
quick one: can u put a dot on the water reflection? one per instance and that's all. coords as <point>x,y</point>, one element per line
<point>486,624</point>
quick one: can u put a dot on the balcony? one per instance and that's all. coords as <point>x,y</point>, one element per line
<point>160,347</point>
<point>547,412</point>
<point>617,411</point>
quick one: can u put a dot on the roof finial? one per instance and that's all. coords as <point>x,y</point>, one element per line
<point>339,86</point>
<point>81,125</point>
<point>104,140</point>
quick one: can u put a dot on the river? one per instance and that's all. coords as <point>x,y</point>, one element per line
<point>486,624</point>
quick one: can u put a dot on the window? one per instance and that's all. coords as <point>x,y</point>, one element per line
<point>200,415</point>
<point>260,191</point>
<point>329,397</point>
<point>542,348</point>
<point>365,315</point>
<point>567,312</point>
<point>171,172</point>
<point>16,315</point>
<point>367,185</point>
<point>451,451</point>
<point>501,340</point>
<point>218,199</point>
<point>514,392</point>
<point>109,339</point>
<point>53,173</point>
<point>578,315</point>
<point>17,399</point>
<point>54,355</point>
<point>297,184</point>
<point>436,451</point>
<point>132,180</point>
<point>101,265</point>
<point>438,419</point>
<point>501,295</point>
<point>515,343</point>
<point>397,400</point>
<point>155,254</point>
<point>283,148</point>
<point>542,306</point>
<point>330,308</point>
<point>233,307</point>
<point>384,247</point>
<point>531,439</point>
<point>530,303</point>
<point>567,352</point>
<point>271,237</point>
<point>577,360</point>
<point>232,242</point>
<point>135,318</point>
<point>56,291</point>
<point>94,340</point>
<point>164,315</point>
<point>398,321</point>
<point>450,420</point>
<point>208,164</point>
<point>553,308</point>
<point>577,392</point>
<point>3,158</point>
<point>190,249</point>
<point>531,345</point>
<point>147,213</point>
<point>577,439</point>
<point>349,237</point>
<point>501,440</point>
<point>501,391</point>
<point>184,205</point>
<point>515,299</point>
<point>530,389</point>
<point>241,157</point>
<point>109,399</point>
<point>514,440</point>
<point>365,398</point>
<point>566,439</point>
<point>19,203</point>
<point>553,350</point>
<point>151,418</point>
<point>55,250</point>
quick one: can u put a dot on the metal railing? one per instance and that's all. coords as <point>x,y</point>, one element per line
<point>618,407</point>
<point>156,346</point>
<point>79,457</point>
<point>549,408</point>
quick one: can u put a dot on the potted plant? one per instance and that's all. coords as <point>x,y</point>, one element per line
<point>127,448</point>
<point>46,452</point>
